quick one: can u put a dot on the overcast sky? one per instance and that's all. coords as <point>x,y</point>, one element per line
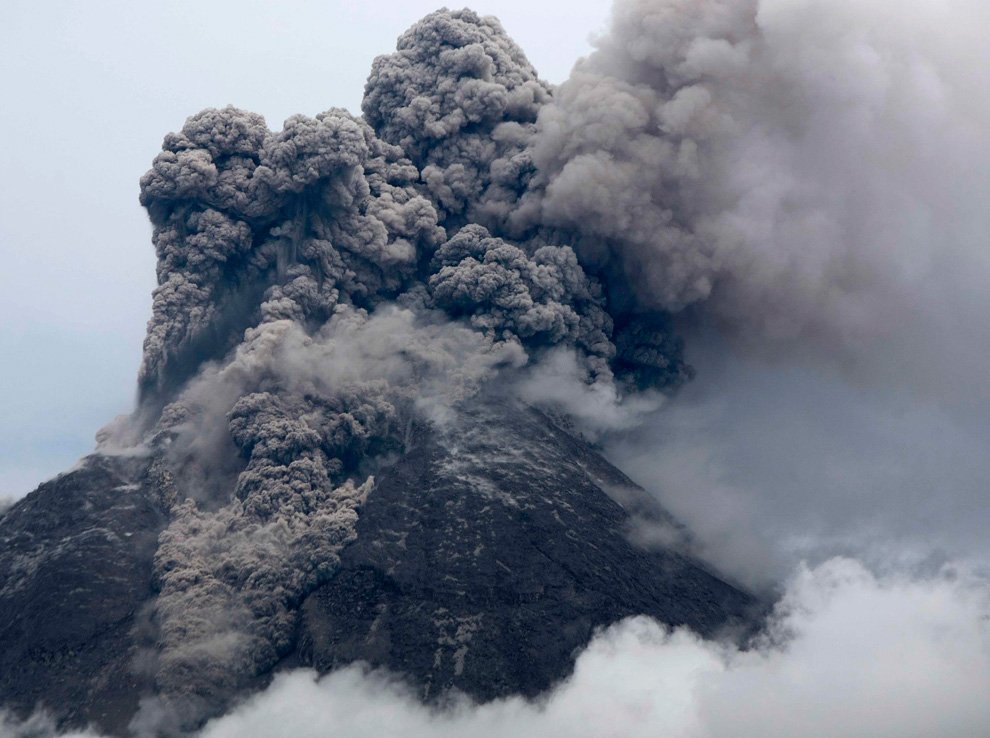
<point>90,89</point>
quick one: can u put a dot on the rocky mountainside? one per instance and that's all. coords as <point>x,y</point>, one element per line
<point>485,556</point>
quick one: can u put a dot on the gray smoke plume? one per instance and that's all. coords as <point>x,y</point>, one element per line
<point>808,181</point>
<point>462,101</point>
<point>810,178</point>
<point>459,97</point>
<point>285,224</point>
<point>542,300</point>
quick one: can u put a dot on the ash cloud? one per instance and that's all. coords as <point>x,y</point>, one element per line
<point>459,97</point>
<point>311,307</point>
<point>769,465</point>
<point>540,300</point>
<point>810,177</point>
<point>823,255</point>
<point>284,224</point>
<point>321,288</point>
<point>800,187</point>
<point>308,414</point>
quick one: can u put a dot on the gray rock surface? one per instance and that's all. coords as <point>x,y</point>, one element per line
<point>489,554</point>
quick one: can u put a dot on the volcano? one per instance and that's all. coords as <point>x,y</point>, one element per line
<point>357,433</point>
<point>486,556</point>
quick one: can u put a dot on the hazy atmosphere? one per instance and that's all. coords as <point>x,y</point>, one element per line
<point>741,244</point>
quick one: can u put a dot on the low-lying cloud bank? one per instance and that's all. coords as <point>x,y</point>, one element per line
<point>848,652</point>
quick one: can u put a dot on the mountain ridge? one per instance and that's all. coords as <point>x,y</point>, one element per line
<point>481,566</point>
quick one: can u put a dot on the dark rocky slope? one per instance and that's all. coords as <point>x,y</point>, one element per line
<point>490,553</point>
<point>75,573</point>
<point>485,558</point>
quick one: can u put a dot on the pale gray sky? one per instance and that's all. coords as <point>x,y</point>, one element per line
<point>90,89</point>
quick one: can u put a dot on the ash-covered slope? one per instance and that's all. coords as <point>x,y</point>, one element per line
<point>484,558</point>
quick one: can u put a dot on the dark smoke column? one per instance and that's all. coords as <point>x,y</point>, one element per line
<point>460,98</point>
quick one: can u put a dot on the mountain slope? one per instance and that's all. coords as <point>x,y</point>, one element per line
<point>489,554</point>
<point>485,556</point>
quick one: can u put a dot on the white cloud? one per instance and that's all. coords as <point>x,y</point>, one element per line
<point>852,654</point>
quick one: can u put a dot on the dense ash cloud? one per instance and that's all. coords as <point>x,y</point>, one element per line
<point>294,222</point>
<point>308,415</point>
<point>540,300</point>
<point>460,98</point>
<point>810,176</point>
<point>824,254</point>
<point>228,579</point>
<point>311,307</point>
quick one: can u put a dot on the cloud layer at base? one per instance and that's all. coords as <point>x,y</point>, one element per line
<point>849,653</point>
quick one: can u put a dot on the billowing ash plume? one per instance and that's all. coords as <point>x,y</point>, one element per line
<point>325,287</point>
<point>462,101</point>
<point>297,221</point>
<point>811,175</point>
<point>620,151</point>
<point>543,299</point>
<point>322,289</point>
<point>808,174</point>
<point>460,98</point>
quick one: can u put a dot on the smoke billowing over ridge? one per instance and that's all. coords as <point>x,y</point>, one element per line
<point>809,181</point>
<point>322,289</point>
